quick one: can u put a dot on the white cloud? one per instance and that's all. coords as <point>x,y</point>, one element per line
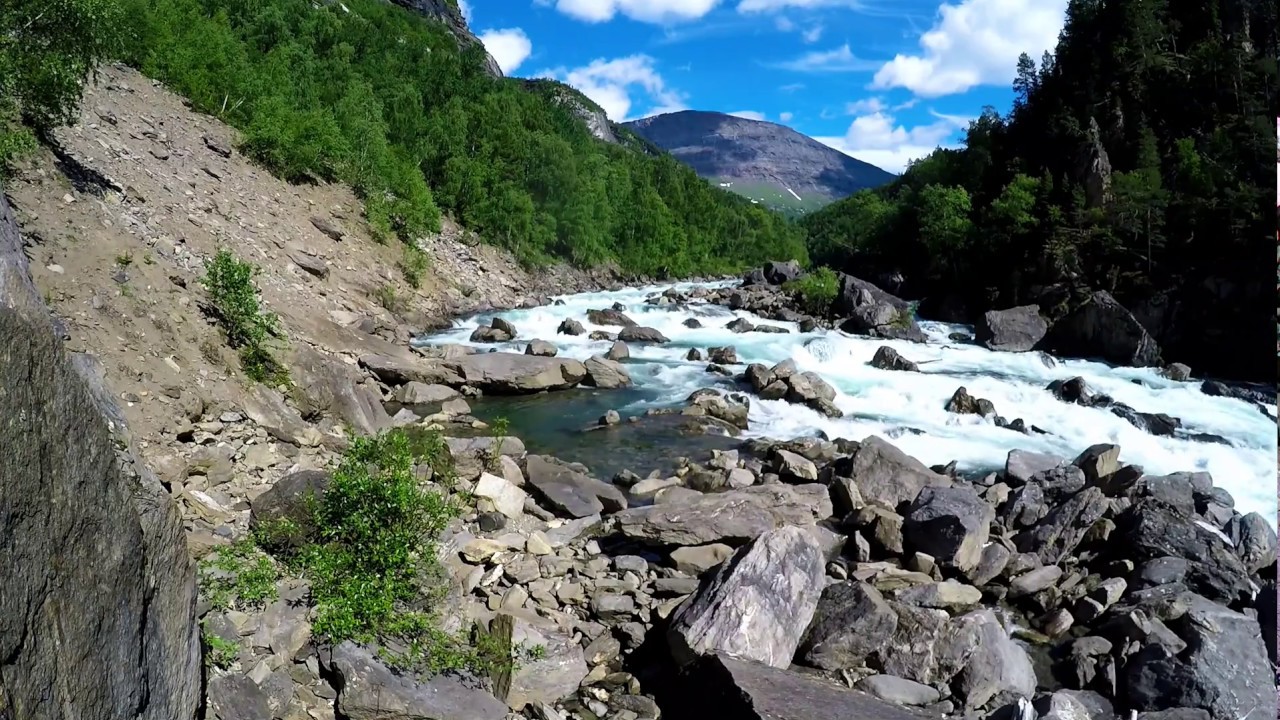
<point>748,114</point>
<point>786,116</point>
<point>510,47</point>
<point>813,34</point>
<point>651,11</point>
<point>792,87</point>
<point>878,139</point>
<point>840,59</point>
<point>611,84</point>
<point>865,106</point>
<point>749,6</point>
<point>976,42</point>
<point>465,7</point>
<point>784,24</point>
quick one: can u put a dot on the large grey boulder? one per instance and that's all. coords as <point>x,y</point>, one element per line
<point>757,605</point>
<point>1224,669</point>
<point>998,667</point>
<point>98,599</point>
<point>734,517</point>
<point>605,374</point>
<point>951,524</point>
<point>554,673</point>
<point>1103,328</point>
<point>852,620</point>
<point>286,508</point>
<point>397,371</point>
<point>516,374</point>
<point>887,476</point>
<point>638,334</point>
<point>326,386</point>
<point>368,690</point>
<point>609,317</point>
<point>927,645</point>
<point>1016,329</point>
<point>569,490</point>
<point>725,688</point>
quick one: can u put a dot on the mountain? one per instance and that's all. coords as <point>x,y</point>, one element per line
<point>766,162</point>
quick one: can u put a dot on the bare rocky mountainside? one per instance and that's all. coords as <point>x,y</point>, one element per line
<point>771,163</point>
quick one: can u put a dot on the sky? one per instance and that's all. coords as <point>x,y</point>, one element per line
<point>884,81</point>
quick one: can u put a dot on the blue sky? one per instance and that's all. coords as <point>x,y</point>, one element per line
<point>885,81</point>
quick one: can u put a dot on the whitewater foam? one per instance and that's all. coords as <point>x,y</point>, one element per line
<point>907,407</point>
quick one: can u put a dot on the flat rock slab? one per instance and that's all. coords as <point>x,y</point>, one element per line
<point>726,688</point>
<point>732,517</point>
<point>571,492</point>
<point>369,691</point>
<point>514,374</point>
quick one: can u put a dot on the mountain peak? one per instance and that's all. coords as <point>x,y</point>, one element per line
<point>767,162</point>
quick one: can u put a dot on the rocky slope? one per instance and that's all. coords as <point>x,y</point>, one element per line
<point>448,12</point>
<point>760,160</point>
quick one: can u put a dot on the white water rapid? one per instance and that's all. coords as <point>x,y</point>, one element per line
<point>891,403</point>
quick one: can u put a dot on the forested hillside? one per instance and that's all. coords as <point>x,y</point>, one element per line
<point>372,94</point>
<point>1136,159</point>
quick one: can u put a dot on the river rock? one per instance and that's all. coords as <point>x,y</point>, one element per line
<point>513,374</point>
<point>1057,535</point>
<point>757,604</point>
<point>697,560</point>
<point>1150,530</point>
<point>727,355</point>
<point>541,348</point>
<point>555,673</point>
<point>899,690</point>
<point>605,374</point>
<point>794,467</point>
<point>1257,545</point>
<point>569,326</point>
<point>370,691</point>
<point>569,490</point>
<point>734,517</point>
<point>1021,465</point>
<point>851,621</point>
<point>637,334</point>
<point>1103,328</point>
<point>950,524</point>
<point>609,317</point>
<point>1016,329</point>
<point>325,385</point>
<point>506,497</point>
<point>927,645</point>
<point>618,352</point>
<point>416,393</point>
<point>1224,670</point>
<point>886,358</point>
<point>998,667</point>
<point>884,474</point>
<point>490,335</point>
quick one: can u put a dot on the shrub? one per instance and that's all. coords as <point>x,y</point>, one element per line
<point>219,653</point>
<point>238,576</point>
<point>413,265</point>
<point>235,304</point>
<point>387,297</point>
<point>816,291</point>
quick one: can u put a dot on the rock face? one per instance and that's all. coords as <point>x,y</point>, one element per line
<point>1103,328</point>
<point>448,13</point>
<point>852,620</point>
<point>1017,329</point>
<point>757,604</point>
<point>97,613</point>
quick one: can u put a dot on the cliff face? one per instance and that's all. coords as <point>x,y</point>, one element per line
<point>97,592</point>
<point>447,12</point>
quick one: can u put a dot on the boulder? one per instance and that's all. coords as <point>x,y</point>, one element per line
<point>490,335</point>
<point>505,496</point>
<point>513,374</point>
<point>1257,546</point>
<point>851,621</point>
<point>323,385</point>
<point>884,474</point>
<point>950,524</point>
<point>886,358</point>
<point>1057,535</point>
<point>553,674</point>
<point>397,371</point>
<point>267,408</point>
<point>98,607</point>
<point>541,348</point>
<point>697,560</point>
<point>570,327</point>
<point>778,273</point>
<point>637,334</point>
<point>1103,328</point>
<point>605,374</point>
<point>927,645</point>
<point>899,690</point>
<point>619,351</point>
<point>998,667</point>
<point>285,508</point>
<point>727,355</point>
<point>1151,530</point>
<point>609,317</point>
<point>757,605</point>
<point>1016,329</point>
<point>569,490</point>
<point>733,517</point>
<point>368,690</point>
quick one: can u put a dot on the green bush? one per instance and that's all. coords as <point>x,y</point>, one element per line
<point>413,265</point>
<point>218,652</point>
<point>238,576</point>
<point>815,291</point>
<point>234,300</point>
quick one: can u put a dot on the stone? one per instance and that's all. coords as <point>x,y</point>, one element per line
<point>618,352</point>
<point>1030,583</point>
<point>951,524</point>
<point>851,621</point>
<point>286,504</point>
<point>513,374</point>
<point>886,358</point>
<point>1102,328</point>
<point>735,516</point>
<point>541,348</point>
<point>727,355</point>
<point>1099,461</point>
<point>899,690</point>
<point>1017,329</point>
<point>697,560</point>
<point>266,407</point>
<point>98,608</point>
<point>1021,465</point>
<point>1061,531</point>
<point>637,334</point>
<point>885,475</point>
<point>236,697</point>
<point>795,467</point>
<point>1257,545</point>
<point>998,666</point>
<point>927,645</point>
<point>726,688</point>
<point>1151,530</point>
<point>609,317</point>
<point>506,498</point>
<point>605,374</point>
<point>570,327</point>
<point>370,691</point>
<point>554,673</point>
<point>491,335</point>
<point>312,265</point>
<point>995,557</point>
<point>947,595</point>
<point>569,490</point>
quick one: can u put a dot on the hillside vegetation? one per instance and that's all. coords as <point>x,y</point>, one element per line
<point>371,94</point>
<point>1136,159</point>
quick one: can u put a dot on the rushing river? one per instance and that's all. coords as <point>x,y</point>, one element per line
<point>906,407</point>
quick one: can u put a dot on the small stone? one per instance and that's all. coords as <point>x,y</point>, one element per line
<point>899,690</point>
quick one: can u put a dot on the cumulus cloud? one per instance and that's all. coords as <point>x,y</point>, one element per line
<point>748,114</point>
<point>613,83</point>
<point>813,34</point>
<point>509,47</point>
<point>865,106</point>
<point>650,11</point>
<point>877,138</point>
<point>976,42</point>
<point>786,116</point>
<point>839,59</point>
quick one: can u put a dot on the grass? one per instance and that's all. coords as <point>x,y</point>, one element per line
<point>237,308</point>
<point>815,291</point>
<point>413,265</point>
<point>219,653</point>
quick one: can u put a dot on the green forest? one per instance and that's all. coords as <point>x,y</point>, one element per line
<point>1137,159</point>
<point>373,95</point>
